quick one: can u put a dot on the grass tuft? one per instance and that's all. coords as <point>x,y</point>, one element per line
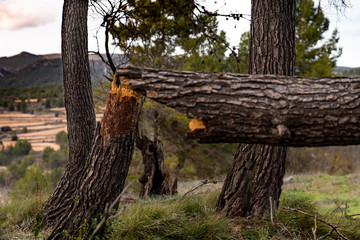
<point>189,218</point>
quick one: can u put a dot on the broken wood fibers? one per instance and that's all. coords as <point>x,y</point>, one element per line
<point>121,111</point>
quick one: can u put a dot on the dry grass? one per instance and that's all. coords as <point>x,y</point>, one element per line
<point>42,128</point>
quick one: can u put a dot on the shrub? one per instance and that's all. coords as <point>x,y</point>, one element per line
<point>18,170</point>
<point>14,138</point>
<point>53,159</point>
<point>22,147</point>
<point>24,130</point>
<point>31,184</point>
<point>61,138</point>
<point>4,160</point>
<point>6,129</point>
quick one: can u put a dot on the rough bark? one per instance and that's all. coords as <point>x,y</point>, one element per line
<point>267,109</point>
<point>103,176</point>
<point>156,180</point>
<point>258,170</point>
<point>254,176</point>
<point>78,104</point>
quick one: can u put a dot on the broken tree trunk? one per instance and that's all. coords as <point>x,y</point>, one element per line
<point>267,109</point>
<point>156,180</point>
<point>103,176</point>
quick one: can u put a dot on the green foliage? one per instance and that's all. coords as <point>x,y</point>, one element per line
<point>6,129</point>
<point>353,72</point>
<point>155,32</point>
<point>52,159</point>
<point>18,170</point>
<point>185,157</point>
<point>62,139</point>
<point>24,130</point>
<point>37,224</point>
<point>312,59</point>
<point>4,160</point>
<point>14,138</point>
<point>30,184</point>
<point>315,57</point>
<point>22,147</point>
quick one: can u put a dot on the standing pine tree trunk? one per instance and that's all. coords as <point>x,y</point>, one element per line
<point>257,171</point>
<point>78,104</point>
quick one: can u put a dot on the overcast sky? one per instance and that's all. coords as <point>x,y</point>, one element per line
<point>35,26</point>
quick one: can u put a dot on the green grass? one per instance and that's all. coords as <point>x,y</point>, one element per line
<point>339,195</point>
<point>158,218</point>
<point>195,217</point>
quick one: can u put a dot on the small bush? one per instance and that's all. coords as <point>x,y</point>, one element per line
<point>18,170</point>
<point>54,159</point>
<point>22,147</point>
<point>4,160</point>
<point>6,129</point>
<point>24,130</point>
<point>14,138</point>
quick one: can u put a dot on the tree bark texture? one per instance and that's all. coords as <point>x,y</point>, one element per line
<point>257,172</point>
<point>265,109</point>
<point>156,180</point>
<point>78,104</point>
<point>254,176</point>
<point>103,177</point>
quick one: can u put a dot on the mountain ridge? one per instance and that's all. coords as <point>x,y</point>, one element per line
<point>29,70</point>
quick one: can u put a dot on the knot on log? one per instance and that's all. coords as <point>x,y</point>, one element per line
<point>283,131</point>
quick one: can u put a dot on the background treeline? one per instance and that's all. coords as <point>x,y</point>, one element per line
<point>19,99</point>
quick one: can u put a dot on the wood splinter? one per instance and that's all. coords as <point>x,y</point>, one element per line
<point>196,124</point>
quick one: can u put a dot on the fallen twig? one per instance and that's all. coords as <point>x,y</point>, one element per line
<point>108,210</point>
<point>353,215</point>
<point>272,212</point>
<point>204,182</point>
<point>320,220</point>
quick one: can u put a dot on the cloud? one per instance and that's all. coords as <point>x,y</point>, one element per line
<point>18,14</point>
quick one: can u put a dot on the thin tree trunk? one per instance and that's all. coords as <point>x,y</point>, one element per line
<point>78,104</point>
<point>103,177</point>
<point>257,171</point>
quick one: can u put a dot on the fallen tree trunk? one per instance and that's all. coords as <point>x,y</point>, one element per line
<point>266,109</point>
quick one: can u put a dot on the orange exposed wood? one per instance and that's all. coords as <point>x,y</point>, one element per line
<point>196,124</point>
<point>121,112</point>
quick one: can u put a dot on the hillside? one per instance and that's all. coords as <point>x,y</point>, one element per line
<point>29,70</point>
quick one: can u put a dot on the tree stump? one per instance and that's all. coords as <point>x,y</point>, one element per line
<point>106,168</point>
<point>156,180</point>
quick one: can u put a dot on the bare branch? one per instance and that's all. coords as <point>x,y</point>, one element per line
<point>318,219</point>
<point>272,213</point>
<point>204,182</point>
